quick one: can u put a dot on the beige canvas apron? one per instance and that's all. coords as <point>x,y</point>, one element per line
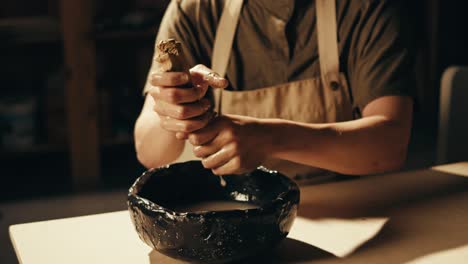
<point>322,99</point>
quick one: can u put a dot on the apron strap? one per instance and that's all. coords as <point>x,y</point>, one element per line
<point>328,43</point>
<point>326,35</point>
<point>225,36</point>
<point>223,42</point>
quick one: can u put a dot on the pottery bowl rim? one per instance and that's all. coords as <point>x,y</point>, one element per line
<point>291,193</point>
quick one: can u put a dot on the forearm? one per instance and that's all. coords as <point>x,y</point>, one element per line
<point>154,145</point>
<point>369,145</point>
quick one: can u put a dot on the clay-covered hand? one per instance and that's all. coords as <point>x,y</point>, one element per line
<point>180,99</point>
<point>231,144</point>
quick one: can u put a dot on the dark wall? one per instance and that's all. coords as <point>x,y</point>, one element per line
<point>453,33</point>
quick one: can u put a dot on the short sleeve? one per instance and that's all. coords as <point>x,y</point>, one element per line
<point>178,23</point>
<point>382,55</point>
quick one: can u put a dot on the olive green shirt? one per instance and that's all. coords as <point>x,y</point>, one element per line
<point>276,42</point>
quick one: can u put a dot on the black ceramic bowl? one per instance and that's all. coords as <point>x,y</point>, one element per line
<point>211,236</point>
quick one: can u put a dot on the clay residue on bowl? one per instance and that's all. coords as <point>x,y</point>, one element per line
<point>211,236</point>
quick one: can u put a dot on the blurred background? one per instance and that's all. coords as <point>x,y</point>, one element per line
<point>71,82</point>
<point>71,78</point>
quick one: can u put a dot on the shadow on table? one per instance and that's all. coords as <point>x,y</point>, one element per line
<point>427,211</point>
<point>425,228</point>
<point>375,195</point>
<point>289,251</point>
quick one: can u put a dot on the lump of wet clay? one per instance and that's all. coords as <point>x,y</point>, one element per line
<point>170,57</point>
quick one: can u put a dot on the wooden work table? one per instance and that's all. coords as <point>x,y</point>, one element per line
<point>410,217</point>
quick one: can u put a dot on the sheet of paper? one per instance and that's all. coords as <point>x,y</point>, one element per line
<point>337,236</point>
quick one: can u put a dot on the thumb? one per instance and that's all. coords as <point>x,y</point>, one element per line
<point>209,76</point>
<point>216,81</point>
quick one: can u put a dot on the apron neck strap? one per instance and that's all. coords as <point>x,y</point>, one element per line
<point>326,35</point>
<point>327,41</point>
<point>225,35</point>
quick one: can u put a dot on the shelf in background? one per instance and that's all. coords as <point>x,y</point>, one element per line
<point>33,40</point>
<point>32,150</point>
<point>29,30</point>
<point>125,34</point>
<point>46,30</point>
<point>54,148</point>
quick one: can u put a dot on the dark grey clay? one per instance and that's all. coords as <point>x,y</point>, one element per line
<point>216,236</point>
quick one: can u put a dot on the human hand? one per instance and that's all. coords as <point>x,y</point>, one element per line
<point>180,98</point>
<point>231,144</point>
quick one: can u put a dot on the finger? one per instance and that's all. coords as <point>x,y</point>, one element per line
<point>211,148</point>
<point>204,135</point>
<point>186,126</point>
<point>216,81</point>
<point>218,127</point>
<point>217,159</point>
<point>201,73</point>
<point>230,167</point>
<point>175,95</point>
<point>182,111</point>
<point>181,135</point>
<point>201,88</point>
<point>169,79</point>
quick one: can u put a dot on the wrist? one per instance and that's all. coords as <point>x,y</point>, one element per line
<point>289,140</point>
<point>271,137</point>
